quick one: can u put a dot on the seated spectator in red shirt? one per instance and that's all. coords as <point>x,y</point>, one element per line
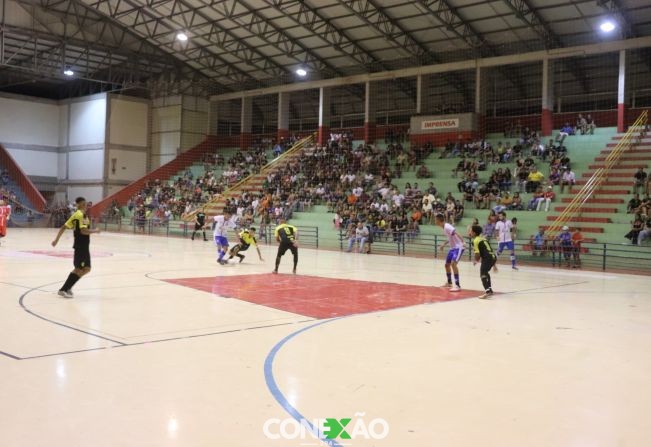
<point>547,198</point>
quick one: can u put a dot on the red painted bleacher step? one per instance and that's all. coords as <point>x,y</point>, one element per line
<point>584,219</point>
<point>606,192</point>
<point>603,200</point>
<point>608,183</point>
<point>627,158</point>
<point>583,229</point>
<point>620,166</point>
<point>621,174</point>
<point>560,209</point>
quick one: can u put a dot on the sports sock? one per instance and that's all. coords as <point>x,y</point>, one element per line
<point>71,281</point>
<point>240,256</point>
<point>295,261</point>
<point>486,282</point>
<point>222,253</point>
<point>277,262</point>
<point>456,279</point>
<point>513,260</point>
<point>449,275</point>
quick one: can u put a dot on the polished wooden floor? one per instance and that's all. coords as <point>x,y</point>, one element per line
<point>161,346</point>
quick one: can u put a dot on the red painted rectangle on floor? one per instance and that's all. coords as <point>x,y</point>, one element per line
<point>319,297</point>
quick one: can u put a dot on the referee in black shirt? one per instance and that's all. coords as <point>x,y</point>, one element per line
<point>200,223</point>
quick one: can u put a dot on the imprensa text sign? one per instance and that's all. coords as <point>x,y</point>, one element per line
<point>439,124</point>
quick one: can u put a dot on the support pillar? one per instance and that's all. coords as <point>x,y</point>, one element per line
<point>246,123</point>
<point>370,109</point>
<point>283,116</point>
<point>481,100</point>
<point>622,93</point>
<point>324,115</point>
<point>547,119</point>
<point>419,94</point>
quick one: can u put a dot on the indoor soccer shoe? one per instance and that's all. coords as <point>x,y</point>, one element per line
<point>455,288</point>
<point>65,294</point>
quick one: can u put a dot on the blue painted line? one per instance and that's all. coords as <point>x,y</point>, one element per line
<point>279,396</point>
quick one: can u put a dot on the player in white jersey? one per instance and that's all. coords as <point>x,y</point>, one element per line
<point>503,231</point>
<point>221,225</point>
<point>455,252</point>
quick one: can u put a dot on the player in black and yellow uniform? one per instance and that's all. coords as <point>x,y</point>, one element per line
<point>200,223</point>
<point>287,235</point>
<point>247,238</point>
<point>484,253</point>
<point>80,224</point>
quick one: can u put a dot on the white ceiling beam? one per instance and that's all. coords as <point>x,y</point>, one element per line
<point>534,56</point>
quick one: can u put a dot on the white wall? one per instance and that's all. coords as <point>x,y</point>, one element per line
<point>90,193</point>
<point>128,122</point>
<point>86,165</point>
<point>88,122</point>
<point>29,123</point>
<point>129,165</point>
<point>40,163</point>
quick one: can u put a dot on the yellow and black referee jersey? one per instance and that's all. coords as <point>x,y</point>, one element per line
<point>483,248</point>
<point>286,232</point>
<point>247,238</point>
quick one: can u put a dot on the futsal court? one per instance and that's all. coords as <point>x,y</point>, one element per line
<point>161,346</point>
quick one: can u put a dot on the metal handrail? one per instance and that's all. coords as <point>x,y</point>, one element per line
<point>295,148</point>
<point>575,207</point>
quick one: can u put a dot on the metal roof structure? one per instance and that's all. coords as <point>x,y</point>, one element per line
<point>240,44</point>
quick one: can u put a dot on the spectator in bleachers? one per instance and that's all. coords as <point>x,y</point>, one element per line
<point>639,179</point>
<point>539,243</point>
<point>581,125</point>
<point>547,198</point>
<point>534,180</point>
<point>4,177</point>
<point>591,125</point>
<point>567,179</point>
<point>633,204</point>
<point>637,225</point>
<point>645,233</point>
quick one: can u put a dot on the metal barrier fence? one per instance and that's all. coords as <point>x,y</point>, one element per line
<point>594,256</point>
<point>307,236</point>
<point>600,256</point>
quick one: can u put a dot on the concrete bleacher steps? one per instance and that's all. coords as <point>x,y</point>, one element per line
<point>583,219</point>
<point>617,174</point>
<point>622,166</point>
<point>589,210</point>
<point>636,158</point>
<point>602,200</point>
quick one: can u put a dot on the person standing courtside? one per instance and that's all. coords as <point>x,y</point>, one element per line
<point>80,224</point>
<point>483,253</point>
<point>287,236</point>
<point>200,223</point>
<point>5,214</point>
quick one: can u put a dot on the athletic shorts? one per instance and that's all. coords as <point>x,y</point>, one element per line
<point>486,265</point>
<point>197,227</point>
<point>243,246</point>
<point>81,258</point>
<point>454,255</point>
<point>502,245</point>
<point>284,246</point>
<point>221,240</point>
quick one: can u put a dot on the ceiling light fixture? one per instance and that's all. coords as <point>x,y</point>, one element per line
<point>182,37</point>
<point>68,72</point>
<point>301,72</point>
<point>607,26</point>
